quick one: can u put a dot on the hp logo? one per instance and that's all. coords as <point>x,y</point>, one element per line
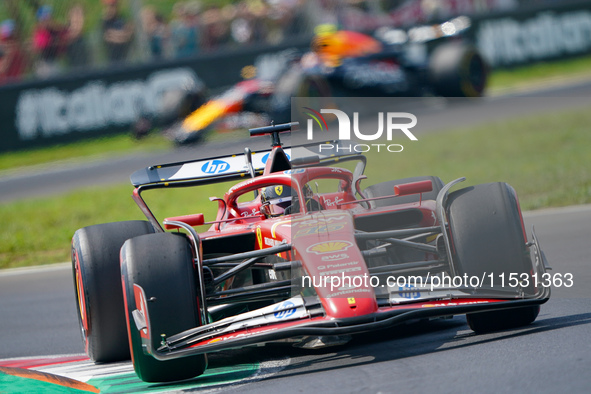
<point>215,167</point>
<point>287,309</point>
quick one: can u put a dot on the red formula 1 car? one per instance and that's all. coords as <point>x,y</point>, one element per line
<point>298,253</point>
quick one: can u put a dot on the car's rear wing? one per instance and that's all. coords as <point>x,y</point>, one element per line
<point>235,167</point>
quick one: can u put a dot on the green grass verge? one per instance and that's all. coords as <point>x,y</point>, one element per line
<point>545,158</point>
<point>525,76</point>
<point>104,147</point>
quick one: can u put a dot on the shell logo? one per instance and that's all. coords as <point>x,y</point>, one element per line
<point>329,247</point>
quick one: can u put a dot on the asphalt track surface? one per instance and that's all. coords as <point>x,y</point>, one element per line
<point>37,307</point>
<point>552,355</point>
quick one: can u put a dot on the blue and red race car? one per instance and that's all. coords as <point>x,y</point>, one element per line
<point>425,60</point>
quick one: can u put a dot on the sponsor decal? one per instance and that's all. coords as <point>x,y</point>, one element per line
<point>272,242</point>
<point>453,304</point>
<point>335,257</point>
<point>411,295</point>
<point>253,212</point>
<point>315,222</point>
<point>319,229</point>
<point>284,310</point>
<point>215,167</point>
<point>235,336</point>
<point>364,292</point>
<point>330,203</point>
<point>339,271</point>
<point>259,233</point>
<point>507,41</point>
<point>297,171</point>
<point>329,266</point>
<point>374,74</point>
<point>329,247</point>
<point>49,112</point>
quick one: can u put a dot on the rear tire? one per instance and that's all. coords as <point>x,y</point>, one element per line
<point>487,237</point>
<point>458,70</point>
<point>387,189</point>
<point>162,265</point>
<point>97,282</point>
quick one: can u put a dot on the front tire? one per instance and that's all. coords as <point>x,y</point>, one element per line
<point>488,238</point>
<point>162,265</point>
<point>97,282</point>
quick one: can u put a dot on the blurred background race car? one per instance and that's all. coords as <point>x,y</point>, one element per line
<point>426,60</point>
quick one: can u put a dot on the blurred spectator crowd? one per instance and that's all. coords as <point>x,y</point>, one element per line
<point>42,41</point>
<point>194,28</point>
<point>128,33</point>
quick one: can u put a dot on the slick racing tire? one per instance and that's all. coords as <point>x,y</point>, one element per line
<point>458,70</point>
<point>487,236</point>
<point>161,265</point>
<point>387,189</point>
<point>97,282</point>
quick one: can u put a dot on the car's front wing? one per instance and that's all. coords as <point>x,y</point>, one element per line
<point>295,317</point>
<point>186,344</point>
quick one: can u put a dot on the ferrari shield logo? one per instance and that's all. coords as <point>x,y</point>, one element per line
<point>279,190</point>
<point>260,237</point>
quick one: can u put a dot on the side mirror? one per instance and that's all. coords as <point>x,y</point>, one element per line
<point>192,220</point>
<point>413,188</point>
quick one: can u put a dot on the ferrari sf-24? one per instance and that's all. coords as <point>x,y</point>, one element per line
<point>298,253</point>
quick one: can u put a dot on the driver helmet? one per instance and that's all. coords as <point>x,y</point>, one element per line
<point>278,198</point>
